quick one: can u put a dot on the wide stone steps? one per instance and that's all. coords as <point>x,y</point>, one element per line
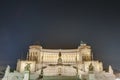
<point>60,78</point>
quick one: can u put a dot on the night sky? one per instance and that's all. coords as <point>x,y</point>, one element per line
<point>60,24</point>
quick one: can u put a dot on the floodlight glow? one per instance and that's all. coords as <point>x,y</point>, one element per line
<point>117,79</point>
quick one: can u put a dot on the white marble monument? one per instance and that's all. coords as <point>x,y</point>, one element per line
<point>59,62</point>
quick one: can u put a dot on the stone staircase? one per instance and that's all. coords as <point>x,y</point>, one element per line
<point>60,78</point>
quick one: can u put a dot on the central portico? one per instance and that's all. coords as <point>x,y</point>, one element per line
<point>59,69</point>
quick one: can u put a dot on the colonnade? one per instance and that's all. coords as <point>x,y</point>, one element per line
<point>53,57</point>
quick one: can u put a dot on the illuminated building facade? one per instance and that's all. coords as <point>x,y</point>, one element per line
<point>42,63</point>
<point>52,59</point>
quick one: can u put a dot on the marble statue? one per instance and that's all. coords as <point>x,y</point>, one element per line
<point>27,67</point>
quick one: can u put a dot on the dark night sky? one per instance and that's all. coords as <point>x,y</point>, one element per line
<point>60,24</point>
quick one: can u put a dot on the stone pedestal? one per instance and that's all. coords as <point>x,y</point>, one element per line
<point>26,75</point>
<point>91,76</point>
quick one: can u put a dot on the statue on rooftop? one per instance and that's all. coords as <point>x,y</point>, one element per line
<point>81,42</point>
